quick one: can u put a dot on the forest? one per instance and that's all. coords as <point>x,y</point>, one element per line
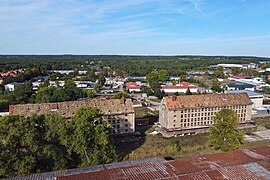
<point>126,65</point>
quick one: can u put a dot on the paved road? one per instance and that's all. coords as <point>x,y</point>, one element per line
<point>260,115</point>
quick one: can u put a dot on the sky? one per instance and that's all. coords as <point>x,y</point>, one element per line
<point>135,27</point>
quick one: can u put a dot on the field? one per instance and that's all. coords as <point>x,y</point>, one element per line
<point>171,148</point>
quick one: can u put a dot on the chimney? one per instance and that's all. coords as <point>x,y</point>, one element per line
<point>11,109</point>
<point>123,100</point>
<point>174,98</point>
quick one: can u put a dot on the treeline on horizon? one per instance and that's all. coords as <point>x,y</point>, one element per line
<point>130,65</point>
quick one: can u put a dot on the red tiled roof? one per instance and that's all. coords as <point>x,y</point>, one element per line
<point>207,100</point>
<point>240,77</point>
<point>239,164</point>
<point>183,85</point>
<point>132,85</point>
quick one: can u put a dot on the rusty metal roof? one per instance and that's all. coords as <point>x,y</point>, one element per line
<point>249,164</point>
<point>253,163</point>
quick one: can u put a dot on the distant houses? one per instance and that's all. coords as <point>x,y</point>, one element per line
<point>239,86</point>
<point>179,88</point>
<point>257,82</point>
<point>230,66</point>
<point>11,86</point>
<point>133,87</point>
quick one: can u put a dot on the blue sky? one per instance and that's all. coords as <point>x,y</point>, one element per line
<point>165,27</point>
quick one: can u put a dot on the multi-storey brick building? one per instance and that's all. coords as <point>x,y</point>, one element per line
<point>118,112</point>
<point>195,113</point>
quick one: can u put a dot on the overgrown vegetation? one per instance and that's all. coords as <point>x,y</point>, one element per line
<point>224,135</point>
<point>123,65</point>
<point>265,122</point>
<point>48,143</point>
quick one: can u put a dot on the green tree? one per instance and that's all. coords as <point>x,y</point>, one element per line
<point>220,72</point>
<point>72,91</point>
<point>90,93</point>
<point>224,135</point>
<point>163,75</point>
<point>18,144</point>
<point>46,83</point>
<point>55,139</point>
<point>101,79</point>
<point>236,70</point>
<point>2,89</point>
<point>21,94</point>
<point>91,137</point>
<point>216,86</point>
<point>91,76</point>
<point>119,95</point>
<point>61,95</point>
<point>45,94</point>
<point>97,87</point>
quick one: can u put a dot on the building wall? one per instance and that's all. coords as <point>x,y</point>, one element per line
<point>121,116</point>
<point>257,102</point>
<point>163,115</point>
<point>198,117</point>
<point>134,90</point>
<point>182,90</point>
<point>121,123</point>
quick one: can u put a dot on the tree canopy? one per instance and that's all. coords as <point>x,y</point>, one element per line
<point>45,143</point>
<point>224,135</point>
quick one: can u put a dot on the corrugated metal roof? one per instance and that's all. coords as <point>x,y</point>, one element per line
<point>241,164</point>
<point>253,163</point>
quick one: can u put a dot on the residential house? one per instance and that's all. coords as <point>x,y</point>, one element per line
<point>133,87</point>
<point>179,88</point>
<point>239,86</point>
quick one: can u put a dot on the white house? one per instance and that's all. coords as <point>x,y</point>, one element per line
<point>11,86</point>
<point>133,87</point>
<point>180,88</point>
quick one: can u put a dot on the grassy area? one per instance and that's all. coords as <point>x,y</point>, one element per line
<point>255,144</point>
<point>141,112</point>
<point>158,146</point>
<point>175,147</point>
<point>155,100</point>
<point>265,122</point>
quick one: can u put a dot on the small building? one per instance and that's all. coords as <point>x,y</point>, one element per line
<point>239,86</point>
<point>179,88</point>
<point>11,86</point>
<point>195,113</point>
<point>133,87</point>
<point>256,98</point>
<point>3,114</point>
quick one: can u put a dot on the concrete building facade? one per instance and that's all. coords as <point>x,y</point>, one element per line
<point>118,112</point>
<point>194,112</point>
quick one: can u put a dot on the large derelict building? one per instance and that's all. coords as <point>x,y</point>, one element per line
<point>118,112</point>
<point>195,113</point>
